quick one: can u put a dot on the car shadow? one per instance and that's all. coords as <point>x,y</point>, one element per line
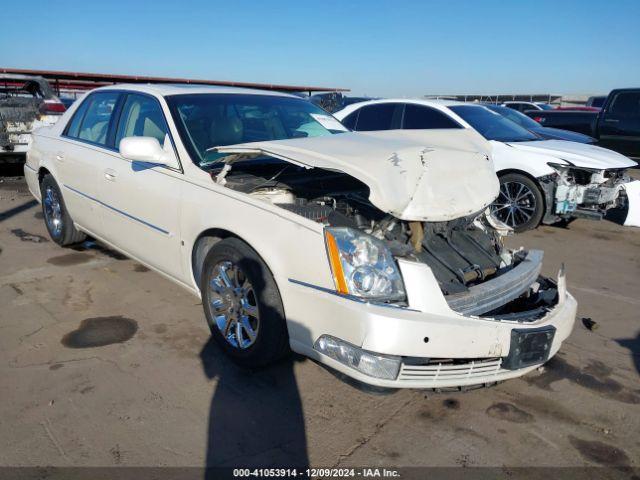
<point>256,418</point>
<point>14,168</point>
<point>139,166</point>
<point>91,245</point>
<point>614,215</point>
<point>633,344</point>
<point>16,210</point>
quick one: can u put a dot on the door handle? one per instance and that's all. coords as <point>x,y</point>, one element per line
<point>59,157</point>
<point>110,175</point>
<point>611,120</point>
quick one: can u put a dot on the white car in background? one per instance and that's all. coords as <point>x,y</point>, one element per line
<point>370,253</point>
<point>540,180</point>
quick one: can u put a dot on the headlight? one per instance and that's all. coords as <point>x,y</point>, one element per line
<point>578,175</point>
<point>362,265</point>
<point>558,166</point>
<point>563,167</point>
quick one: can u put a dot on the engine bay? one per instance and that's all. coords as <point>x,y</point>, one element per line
<point>462,253</point>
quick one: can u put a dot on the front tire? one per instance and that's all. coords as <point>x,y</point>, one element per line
<point>520,203</point>
<point>242,305</point>
<point>56,217</point>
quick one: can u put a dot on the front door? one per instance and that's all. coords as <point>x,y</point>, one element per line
<point>142,201</point>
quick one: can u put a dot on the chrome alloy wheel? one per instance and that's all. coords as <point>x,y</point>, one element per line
<point>515,204</point>
<point>53,211</point>
<point>234,305</point>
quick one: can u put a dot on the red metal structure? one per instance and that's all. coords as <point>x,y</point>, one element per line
<point>78,81</point>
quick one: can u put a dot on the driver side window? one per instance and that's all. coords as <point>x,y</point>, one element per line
<point>141,117</point>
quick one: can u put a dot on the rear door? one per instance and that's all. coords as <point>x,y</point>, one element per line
<point>620,123</point>
<point>142,200</point>
<point>80,157</point>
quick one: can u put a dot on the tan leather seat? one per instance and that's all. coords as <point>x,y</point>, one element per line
<point>226,131</point>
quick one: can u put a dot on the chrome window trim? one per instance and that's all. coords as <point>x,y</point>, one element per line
<point>117,150</point>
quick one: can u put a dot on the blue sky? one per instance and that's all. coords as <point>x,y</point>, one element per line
<point>408,48</point>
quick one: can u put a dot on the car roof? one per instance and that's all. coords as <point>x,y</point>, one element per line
<point>434,103</point>
<point>166,89</point>
<point>423,101</point>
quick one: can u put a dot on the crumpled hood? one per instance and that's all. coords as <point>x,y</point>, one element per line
<point>421,175</point>
<point>579,154</point>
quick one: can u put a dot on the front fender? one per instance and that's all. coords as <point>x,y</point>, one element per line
<point>291,248</point>
<point>535,165</point>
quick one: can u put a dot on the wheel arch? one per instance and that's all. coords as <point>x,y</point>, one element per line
<point>547,194</point>
<point>42,171</point>
<point>507,171</point>
<point>206,240</point>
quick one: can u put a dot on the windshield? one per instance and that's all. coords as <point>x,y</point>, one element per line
<point>515,116</point>
<point>545,106</point>
<point>212,120</point>
<point>492,125</point>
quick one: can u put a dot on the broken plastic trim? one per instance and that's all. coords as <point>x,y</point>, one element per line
<point>495,293</point>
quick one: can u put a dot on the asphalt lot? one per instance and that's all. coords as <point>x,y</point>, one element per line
<point>158,394</point>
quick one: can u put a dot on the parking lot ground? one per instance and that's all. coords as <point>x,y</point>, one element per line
<point>103,362</point>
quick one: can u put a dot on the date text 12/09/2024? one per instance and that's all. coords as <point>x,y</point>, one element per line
<point>315,473</point>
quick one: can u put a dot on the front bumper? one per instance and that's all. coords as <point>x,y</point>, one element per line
<point>463,350</point>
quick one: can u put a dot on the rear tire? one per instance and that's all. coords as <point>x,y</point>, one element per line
<point>520,203</point>
<point>56,217</point>
<point>242,304</point>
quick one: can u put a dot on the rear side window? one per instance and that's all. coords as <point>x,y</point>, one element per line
<point>141,117</point>
<point>521,107</point>
<point>74,125</point>
<point>350,120</point>
<point>382,116</point>
<point>95,123</point>
<point>420,117</point>
<point>626,103</point>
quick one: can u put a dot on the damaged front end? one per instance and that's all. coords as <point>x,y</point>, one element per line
<point>583,192</point>
<point>477,275</point>
<point>406,227</point>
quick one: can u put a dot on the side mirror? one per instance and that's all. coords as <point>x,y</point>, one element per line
<point>148,150</point>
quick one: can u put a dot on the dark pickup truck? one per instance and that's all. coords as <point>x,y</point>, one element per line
<point>616,126</point>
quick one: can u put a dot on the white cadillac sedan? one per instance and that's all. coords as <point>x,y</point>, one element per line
<point>540,180</point>
<point>371,253</point>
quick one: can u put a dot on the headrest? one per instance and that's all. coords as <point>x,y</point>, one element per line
<point>226,131</point>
